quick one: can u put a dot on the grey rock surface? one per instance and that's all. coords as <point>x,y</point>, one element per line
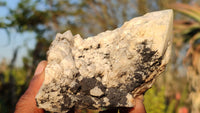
<point>107,70</point>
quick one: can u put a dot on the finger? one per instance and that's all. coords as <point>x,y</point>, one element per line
<point>140,98</point>
<point>139,106</point>
<point>27,103</point>
<point>37,79</point>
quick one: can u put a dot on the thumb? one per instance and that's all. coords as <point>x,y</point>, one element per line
<point>37,79</point>
<point>27,103</point>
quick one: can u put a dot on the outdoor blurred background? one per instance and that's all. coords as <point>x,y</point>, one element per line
<point>27,28</point>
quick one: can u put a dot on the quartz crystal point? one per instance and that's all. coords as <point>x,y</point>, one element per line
<point>107,70</point>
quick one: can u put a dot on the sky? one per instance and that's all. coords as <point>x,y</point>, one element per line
<point>23,41</point>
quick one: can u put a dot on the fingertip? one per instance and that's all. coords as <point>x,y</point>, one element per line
<point>43,62</point>
<point>40,68</point>
<point>139,106</point>
<point>140,98</point>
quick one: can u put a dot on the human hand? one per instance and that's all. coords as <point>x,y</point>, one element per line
<point>27,103</point>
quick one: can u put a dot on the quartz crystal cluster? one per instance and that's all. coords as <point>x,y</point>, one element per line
<point>109,69</point>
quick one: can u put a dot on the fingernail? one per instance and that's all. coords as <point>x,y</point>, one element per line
<point>40,68</point>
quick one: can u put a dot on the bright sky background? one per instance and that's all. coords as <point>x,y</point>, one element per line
<point>7,46</point>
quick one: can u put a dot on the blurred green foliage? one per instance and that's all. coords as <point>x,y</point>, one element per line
<point>45,18</point>
<point>155,100</point>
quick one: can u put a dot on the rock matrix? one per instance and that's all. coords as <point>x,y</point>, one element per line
<point>107,70</point>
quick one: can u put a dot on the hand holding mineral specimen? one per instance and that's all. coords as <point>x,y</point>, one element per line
<point>107,70</point>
